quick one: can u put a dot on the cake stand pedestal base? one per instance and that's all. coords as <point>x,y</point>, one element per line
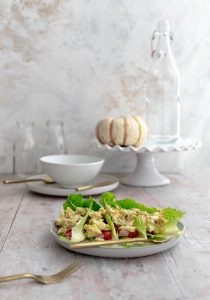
<point>145,173</point>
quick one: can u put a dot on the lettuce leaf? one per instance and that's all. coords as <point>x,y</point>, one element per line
<point>78,234</point>
<point>172,215</point>
<point>73,201</point>
<point>95,206</point>
<point>107,199</point>
<point>137,244</point>
<point>111,225</point>
<point>140,226</point>
<point>130,203</point>
<point>76,200</point>
<point>169,233</point>
<point>90,202</point>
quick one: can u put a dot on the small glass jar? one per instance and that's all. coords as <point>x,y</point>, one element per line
<point>24,149</point>
<point>51,141</point>
<point>54,141</point>
<point>6,155</point>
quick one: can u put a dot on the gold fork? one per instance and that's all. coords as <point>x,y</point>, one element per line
<point>46,179</point>
<point>46,279</point>
<point>91,186</point>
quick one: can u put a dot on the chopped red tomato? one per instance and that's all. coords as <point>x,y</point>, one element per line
<point>107,235</point>
<point>68,233</point>
<point>133,234</point>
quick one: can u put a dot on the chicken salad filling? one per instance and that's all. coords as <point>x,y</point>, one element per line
<point>111,219</point>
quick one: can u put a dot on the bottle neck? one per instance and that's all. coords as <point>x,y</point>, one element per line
<point>163,45</point>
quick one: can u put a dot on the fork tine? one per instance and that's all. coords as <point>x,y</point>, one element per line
<point>55,278</point>
<point>70,270</point>
<point>69,267</point>
<point>61,278</point>
<point>62,274</point>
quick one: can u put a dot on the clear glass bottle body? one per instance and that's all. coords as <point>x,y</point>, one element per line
<point>54,142</point>
<point>24,149</point>
<point>163,91</point>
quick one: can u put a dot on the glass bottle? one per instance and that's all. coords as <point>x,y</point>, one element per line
<point>55,142</point>
<point>163,88</point>
<point>24,149</point>
<point>51,141</point>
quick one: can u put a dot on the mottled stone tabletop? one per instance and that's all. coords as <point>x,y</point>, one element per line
<point>26,246</point>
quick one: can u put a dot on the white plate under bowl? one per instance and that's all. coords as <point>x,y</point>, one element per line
<point>118,251</point>
<point>54,189</point>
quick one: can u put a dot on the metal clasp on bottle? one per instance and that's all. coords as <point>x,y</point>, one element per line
<point>156,33</point>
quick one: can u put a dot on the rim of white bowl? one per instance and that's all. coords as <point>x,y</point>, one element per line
<point>44,159</point>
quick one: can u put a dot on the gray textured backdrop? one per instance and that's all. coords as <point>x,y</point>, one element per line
<point>82,60</point>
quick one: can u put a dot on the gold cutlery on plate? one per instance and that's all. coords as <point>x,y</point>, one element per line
<point>45,279</point>
<point>46,179</point>
<point>91,186</point>
<point>114,242</point>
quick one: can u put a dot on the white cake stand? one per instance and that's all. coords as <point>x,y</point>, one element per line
<point>145,173</point>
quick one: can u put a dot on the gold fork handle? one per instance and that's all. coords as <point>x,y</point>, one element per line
<point>15,277</point>
<point>8,181</point>
<point>87,187</point>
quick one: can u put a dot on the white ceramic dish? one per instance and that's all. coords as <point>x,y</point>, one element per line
<point>54,189</point>
<point>71,170</point>
<point>118,251</point>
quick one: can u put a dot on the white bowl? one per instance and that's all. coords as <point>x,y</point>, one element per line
<point>70,170</point>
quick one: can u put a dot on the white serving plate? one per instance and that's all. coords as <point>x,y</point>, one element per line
<point>118,251</point>
<point>54,189</point>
